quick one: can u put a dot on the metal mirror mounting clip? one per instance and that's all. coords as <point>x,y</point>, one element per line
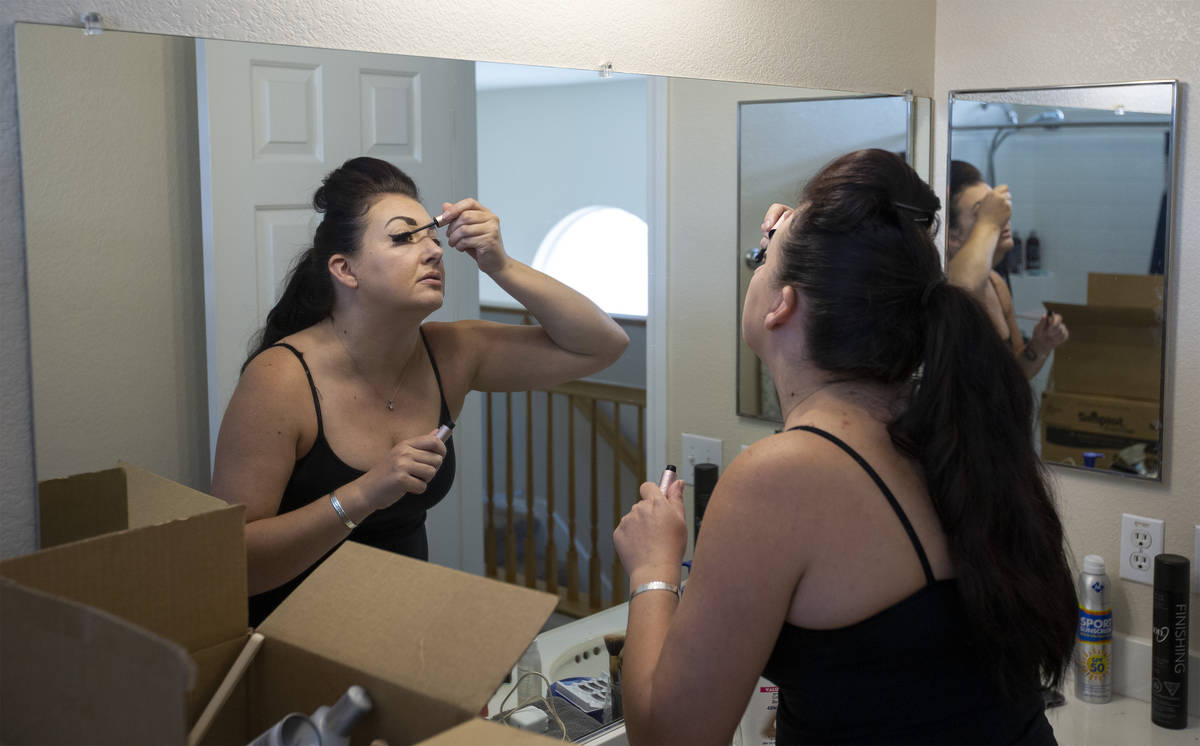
<point>91,24</point>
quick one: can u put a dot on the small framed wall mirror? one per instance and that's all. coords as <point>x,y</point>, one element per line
<point>781,145</point>
<point>1091,173</point>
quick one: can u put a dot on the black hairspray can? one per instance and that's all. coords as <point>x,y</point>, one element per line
<point>1169,666</point>
<point>705,477</point>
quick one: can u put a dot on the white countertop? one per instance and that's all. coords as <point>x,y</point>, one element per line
<point>1122,722</point>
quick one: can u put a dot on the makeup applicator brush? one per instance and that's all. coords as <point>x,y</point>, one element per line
<point>614,644</point>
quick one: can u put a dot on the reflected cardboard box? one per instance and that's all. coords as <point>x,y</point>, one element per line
<point>1075,424</point>
<point>1115,343</point>
<point>122,628</point>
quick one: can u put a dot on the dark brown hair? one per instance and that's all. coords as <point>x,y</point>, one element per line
<point>861,250</point>
<point>344,197</point>
<point>962,175</point>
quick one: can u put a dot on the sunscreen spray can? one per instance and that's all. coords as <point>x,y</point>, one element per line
<point>1093,642</point>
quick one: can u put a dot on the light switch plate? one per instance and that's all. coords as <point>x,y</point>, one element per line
<point>1141,542</point>
<point>698,449</point>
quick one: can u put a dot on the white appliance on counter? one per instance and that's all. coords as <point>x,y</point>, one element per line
<point>577,649</point>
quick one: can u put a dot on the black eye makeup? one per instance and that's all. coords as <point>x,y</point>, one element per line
<point>416,234</point>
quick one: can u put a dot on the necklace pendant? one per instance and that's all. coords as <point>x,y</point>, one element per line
<point>391,407</point>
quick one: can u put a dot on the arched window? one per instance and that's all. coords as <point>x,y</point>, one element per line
<point>601,252</point>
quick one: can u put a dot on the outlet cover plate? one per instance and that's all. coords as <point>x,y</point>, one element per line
<point>697,449</point>
<point>1141,541</point>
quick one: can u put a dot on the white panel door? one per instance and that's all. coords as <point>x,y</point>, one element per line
<point>273,122</point>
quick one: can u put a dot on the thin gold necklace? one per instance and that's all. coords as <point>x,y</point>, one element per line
<point>389,401</point>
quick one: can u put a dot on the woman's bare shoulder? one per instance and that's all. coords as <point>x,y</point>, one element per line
<point>788,466</point>
<point>275,380</point>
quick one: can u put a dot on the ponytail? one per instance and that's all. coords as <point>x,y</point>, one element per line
<point>307,298</point>
<point>861,249</point>
<point>344,198</point>
<point>968,423</point>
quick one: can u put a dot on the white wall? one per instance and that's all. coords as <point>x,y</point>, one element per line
<point>546,151</point>
<point>1034,43</point>
<point>115,275</point>
<point>867,45</point>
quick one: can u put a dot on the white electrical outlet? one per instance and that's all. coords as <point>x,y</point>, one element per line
<point>698,449</point>
<point>1141,541</point>
<point>1196,563</point>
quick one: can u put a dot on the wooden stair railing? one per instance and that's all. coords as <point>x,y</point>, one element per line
<point>589,400</point>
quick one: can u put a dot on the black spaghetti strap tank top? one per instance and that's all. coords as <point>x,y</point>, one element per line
<point>909,674</point>
<point>398,528</point>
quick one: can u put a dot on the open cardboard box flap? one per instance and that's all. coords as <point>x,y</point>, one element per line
<point>1111,351</point>
<point>122,634</point>
<point>102,502</point>
<point>1139,291</point>
<point>178,569</point>
<point>438,633</point>
<point>479,731</point>
<point>97,677</point>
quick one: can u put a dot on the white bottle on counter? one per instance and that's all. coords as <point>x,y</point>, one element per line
<point>529,688</point>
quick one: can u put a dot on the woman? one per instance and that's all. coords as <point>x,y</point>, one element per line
<point>330,432</point>
<point>893,559</point>
<point>978,237</point>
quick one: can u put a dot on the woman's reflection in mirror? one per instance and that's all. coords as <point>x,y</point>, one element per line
<point>978,239</point>
<point>893,560</point>
<point>331,432</point>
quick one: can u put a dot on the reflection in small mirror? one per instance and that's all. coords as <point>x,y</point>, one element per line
<point>781,144</point>
<point>1079,265</point>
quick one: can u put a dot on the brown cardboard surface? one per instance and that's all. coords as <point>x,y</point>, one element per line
<point>154,499</point>
<point>82,506</point>
<point>211,665</point>
<point>75,675</point>
<point>444,634</point>
<point>429,644</point>
<point>285,678</point>
<point>1111,351</point>
<point>1072,424</point>
<point>1136,291</point>
<point>479,731</point>
<point>183,580</point>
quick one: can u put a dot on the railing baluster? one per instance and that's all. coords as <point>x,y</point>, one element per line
<point>618,574</point>
<point>489,537</point>
<point>594,593</point>
<point>551,548</point>
<point>572,554</point>
<point>530,544</point>
<point>510,533</point>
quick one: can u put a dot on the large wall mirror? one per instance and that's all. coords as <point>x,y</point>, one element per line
<point>134,151</point>
<point>1091,173</point>
<point>782,144</point>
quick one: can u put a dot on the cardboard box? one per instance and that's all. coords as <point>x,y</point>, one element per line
<point>123,637</point>
<point>1073,424</point>
<point>1112,351</point>
<point>478,731</point>
<point>1126,291</point>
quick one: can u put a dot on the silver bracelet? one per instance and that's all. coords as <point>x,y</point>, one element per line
<point>656,585</point>
<point>341,513</point>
